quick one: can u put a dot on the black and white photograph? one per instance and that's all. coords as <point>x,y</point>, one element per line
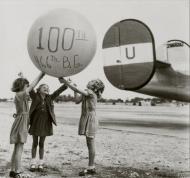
<point>95,89</point>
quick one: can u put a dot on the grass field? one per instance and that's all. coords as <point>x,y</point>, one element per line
<point>146,142</point>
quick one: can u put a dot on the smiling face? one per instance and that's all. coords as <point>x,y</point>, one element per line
<point>43,89</point>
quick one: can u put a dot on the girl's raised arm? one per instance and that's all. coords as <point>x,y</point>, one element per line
<point>74,88</point>
<point>78,99</point>
<point>35,82</point>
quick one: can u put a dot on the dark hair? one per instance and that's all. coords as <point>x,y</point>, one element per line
<point>18,84</point>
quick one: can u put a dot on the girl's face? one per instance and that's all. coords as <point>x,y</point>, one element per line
<point>99,94</point>
<point>44,89</point>
<point>26,86</point>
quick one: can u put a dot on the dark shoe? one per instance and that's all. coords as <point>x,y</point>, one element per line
<point>92,171</point>
<point>11,174</point>
<point>20,175</point>
<point>87,172</point>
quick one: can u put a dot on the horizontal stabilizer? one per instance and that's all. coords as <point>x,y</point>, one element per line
<point>161,64</point>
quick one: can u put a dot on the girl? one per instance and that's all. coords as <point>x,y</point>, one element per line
<point>19,130</point>
<point>88,122</point>
<point>41,118</point>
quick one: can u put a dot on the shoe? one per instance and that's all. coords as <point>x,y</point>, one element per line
<point>11,174</point>
<point>41,168</point>
<point>20,175</point>
<point>87,172</point>
<point>32,167</point>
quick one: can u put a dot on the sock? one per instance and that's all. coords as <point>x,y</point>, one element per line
<point>91,167</point>
<point>41,161</point>
<point>33,161</point>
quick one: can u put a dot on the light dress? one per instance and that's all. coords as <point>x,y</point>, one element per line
<point>88,123</point>
<point>19,130</point>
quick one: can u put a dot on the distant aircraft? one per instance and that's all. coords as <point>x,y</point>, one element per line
<point>132,63</point>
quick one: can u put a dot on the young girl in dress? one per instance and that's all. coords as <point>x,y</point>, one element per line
<point>19,130</point>
<point>88,122</point>
<point>41,118</point>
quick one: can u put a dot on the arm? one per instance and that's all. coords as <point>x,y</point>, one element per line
<point>58,91</point>
<point>78,99</point>
<point>32,94</point>
<point>35,82</point>
<point>72,87</point>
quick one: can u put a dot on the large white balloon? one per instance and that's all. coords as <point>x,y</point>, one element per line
<point>61,43</point>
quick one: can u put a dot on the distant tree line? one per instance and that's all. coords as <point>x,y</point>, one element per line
<point>3,99</point>
<point>136,101</point>
<point>152,101</point>
<point>133,101</point>
<point>64,98</point>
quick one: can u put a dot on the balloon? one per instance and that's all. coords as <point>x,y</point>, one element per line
<point>129,54</point>
<point>61,43</point>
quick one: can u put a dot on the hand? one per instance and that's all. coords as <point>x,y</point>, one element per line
<point>20,74</point>
<point>69,81</point>
<point>62,80</point>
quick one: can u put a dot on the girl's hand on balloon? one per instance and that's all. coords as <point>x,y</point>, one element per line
<point>71,82</point>
<point>62,80</point>
<point>74,84</point>
<point>66,82</point>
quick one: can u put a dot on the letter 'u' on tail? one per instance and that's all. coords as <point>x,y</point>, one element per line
<point>129,54</point>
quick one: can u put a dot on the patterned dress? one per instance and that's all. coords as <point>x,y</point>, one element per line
<point>19,130</point>
<point>88,123</point>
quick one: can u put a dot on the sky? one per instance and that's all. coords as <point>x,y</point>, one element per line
<point>167,19</point>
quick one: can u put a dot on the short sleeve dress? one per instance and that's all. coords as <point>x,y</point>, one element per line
<point>19,130</point>
<point>88,123</point>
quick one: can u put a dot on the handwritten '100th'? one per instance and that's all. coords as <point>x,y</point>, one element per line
<point>68,37</point>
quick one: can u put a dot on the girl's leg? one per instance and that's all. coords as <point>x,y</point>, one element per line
<point>34,146</point>
<point>13,159</point>
<point>91,150</point>
<point>41,147</point>
<point>34,149</point>
<point>18,155</point>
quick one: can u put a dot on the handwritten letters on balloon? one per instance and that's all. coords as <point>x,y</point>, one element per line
<point>63,39</point>
<point>61,43</point>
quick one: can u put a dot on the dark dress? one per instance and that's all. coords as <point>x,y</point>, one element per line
<point>41,124</point>
<point>42,116</point>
